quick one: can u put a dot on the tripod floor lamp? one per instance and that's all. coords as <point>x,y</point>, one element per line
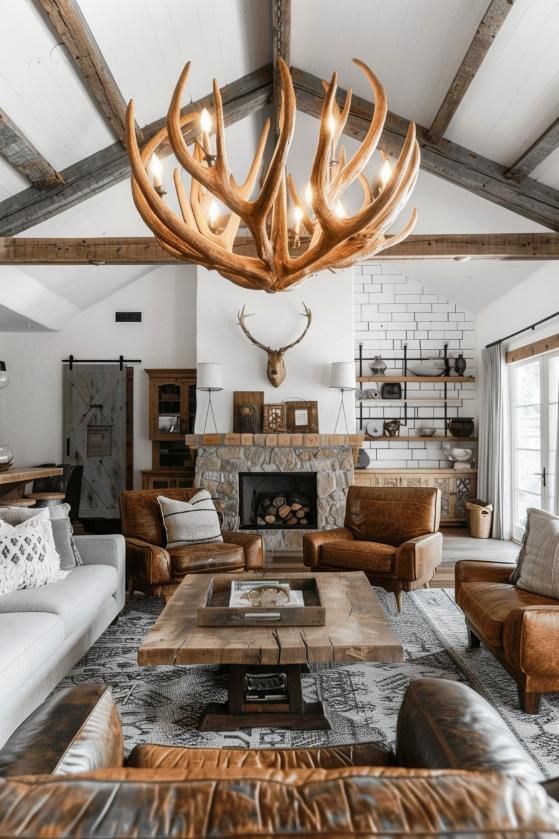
<point>342,378</point>
<point>209,378</point>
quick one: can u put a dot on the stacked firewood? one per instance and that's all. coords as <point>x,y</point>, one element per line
<point>281,511</point>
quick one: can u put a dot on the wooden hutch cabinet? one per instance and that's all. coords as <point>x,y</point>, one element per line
<point>172,412</point>
<point>456,486</point>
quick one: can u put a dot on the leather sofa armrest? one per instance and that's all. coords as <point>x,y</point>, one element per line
<point>105,549</point>
<point>76,730</point>
<point>149,563</point>
<point>312,542</point>
<point>444,724</point>
<point>471,571</point>
<point>252,544</point>
<point>417,558</point>
<point>530,640</point>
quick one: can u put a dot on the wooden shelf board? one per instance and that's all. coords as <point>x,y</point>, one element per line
<point>418,437</point>
<point>415,400</point>
<point>418,379</point>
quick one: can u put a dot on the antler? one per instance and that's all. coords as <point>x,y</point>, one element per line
<point>306,314</point>
<point>335,240</point>
<point>241,320</point>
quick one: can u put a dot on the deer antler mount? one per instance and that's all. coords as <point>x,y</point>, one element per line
<point>276,369</point>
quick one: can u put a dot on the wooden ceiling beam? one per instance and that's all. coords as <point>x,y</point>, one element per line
<point>281,48</point>
<point>480,45</point>
<point>68,23</point>
<point>146,250</point>
<point>20,153</point>
<point>547,143</point>
<point>109,166</point>
<point>447,160</point>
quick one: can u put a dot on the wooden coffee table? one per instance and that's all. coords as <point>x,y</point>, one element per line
<point>356,629</point>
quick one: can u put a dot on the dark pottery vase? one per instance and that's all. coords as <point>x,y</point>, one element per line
<point>363,459</point>
<point>460,365</point>
<point>461,427</point>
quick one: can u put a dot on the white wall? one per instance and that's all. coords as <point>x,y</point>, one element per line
<point>277,321</point>
<point>535,298</point>
<point>165,338</point>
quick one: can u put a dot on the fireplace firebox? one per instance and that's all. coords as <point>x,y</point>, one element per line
<point>273,500</point>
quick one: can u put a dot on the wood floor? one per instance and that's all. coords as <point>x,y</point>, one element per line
<point>457,545</point>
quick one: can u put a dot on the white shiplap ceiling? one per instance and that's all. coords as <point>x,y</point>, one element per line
<point>414,46</point>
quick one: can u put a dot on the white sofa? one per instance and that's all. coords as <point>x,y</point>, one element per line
<point>45,631</point>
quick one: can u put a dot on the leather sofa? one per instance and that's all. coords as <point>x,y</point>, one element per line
<point>390,533</point>
<point>456,770</point>
<point>520,628</point>
<point>154,569</point>
<point>45,631</point>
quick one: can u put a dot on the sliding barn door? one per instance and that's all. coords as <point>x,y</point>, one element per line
<point>95,398</point>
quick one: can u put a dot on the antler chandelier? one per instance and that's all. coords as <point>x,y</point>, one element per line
<point>335,239</point>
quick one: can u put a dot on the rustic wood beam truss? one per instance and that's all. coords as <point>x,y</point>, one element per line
<point>67,21</point>
<point>20,153</point>
<point>480,45</point>
<point>547,143</point>
<point>147,251</point>
<point>447,160</point>
<point>109,166</point>
<point>281,48</point>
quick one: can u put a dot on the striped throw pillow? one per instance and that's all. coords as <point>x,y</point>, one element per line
<point>193,522</point>
<point>538,562</point>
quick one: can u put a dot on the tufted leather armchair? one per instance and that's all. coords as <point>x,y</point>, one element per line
<point>154,569</point>
<point>457,770</point>
<point>390,533</point>
<point>519,627</point>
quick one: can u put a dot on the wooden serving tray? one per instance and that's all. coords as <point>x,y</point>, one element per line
<point>215,610</point>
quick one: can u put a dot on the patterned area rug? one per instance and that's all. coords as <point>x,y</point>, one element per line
<point>163,704</point>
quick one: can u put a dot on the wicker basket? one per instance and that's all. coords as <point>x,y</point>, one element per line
<point>480,518</point>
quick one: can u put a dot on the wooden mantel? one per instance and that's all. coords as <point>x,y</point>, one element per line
<point>268,440</point>
<point>145,250</point>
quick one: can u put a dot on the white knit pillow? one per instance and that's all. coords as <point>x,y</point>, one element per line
<point>28,558</point>
<point>538,561</point>
<point>193,522</point>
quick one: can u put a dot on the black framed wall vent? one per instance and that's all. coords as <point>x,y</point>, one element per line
<point>128,317</point>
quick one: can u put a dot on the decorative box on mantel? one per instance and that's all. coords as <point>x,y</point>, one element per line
<point>305,475</point>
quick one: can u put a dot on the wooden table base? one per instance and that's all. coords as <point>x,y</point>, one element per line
<point>237,712</point>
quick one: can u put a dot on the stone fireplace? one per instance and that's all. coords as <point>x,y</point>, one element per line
<point>272,500</point>
<point>223,460</point>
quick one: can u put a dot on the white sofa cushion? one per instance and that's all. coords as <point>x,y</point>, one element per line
<point>74,599</point>
<point>27,642</point>
<point>28,556</point>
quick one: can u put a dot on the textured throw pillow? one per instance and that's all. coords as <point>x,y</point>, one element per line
<point>28,557</point>
<point>62,529</point>
<point>537,568</point>
<point>191,522</point>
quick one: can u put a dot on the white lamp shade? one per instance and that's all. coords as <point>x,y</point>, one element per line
<point>209,377</point>
<point>342,375</point>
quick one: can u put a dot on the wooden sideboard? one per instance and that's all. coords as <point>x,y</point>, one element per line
<point>456,486</point>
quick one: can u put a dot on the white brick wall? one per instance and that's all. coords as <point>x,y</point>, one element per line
<point>392,310</point>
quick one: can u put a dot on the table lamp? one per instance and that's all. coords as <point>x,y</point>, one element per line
<point>209,378</point>
<point>342,378</point>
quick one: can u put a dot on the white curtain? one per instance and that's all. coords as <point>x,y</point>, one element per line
<point>556,498</point>
<point>494,455</point>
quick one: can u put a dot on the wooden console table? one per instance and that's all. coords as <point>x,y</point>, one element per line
<point>15,478</point>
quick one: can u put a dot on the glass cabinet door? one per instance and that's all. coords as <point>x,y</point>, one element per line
<point>169,415</point>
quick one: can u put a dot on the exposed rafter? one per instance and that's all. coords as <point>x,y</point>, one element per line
<point>547,143</point>
<point>140,250</point>
<point>109,166</point>
<point>281,47</point>
<point>20,153</point>
<point>69,24</point>
<point>480,45</point>
<point>447,160</point>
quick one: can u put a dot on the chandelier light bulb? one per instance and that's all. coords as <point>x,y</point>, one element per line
<point>156,170</point>
<point>339,210</point>
<point>331,125</point>
<point>205,121</point>
<point>213,213</point>
<point>308,194</point>
<point>385,173</point>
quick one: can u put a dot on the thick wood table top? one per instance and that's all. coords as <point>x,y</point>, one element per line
<point>14,475</point>
<point>356,629</point>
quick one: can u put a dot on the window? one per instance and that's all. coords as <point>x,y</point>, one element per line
<point>534,394</point>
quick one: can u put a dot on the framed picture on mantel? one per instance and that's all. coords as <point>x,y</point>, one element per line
<point>301,417</point>
<point>247,411</point>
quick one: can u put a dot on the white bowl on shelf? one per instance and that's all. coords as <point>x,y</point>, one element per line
<point>426,432</point>
<point>427,367</point>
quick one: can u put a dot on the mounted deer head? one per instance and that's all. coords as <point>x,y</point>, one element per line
<point>276,369</point>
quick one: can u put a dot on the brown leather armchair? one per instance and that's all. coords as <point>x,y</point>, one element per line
<point>520,628</point>
<point>390,533</point>
<point>154,569</point>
